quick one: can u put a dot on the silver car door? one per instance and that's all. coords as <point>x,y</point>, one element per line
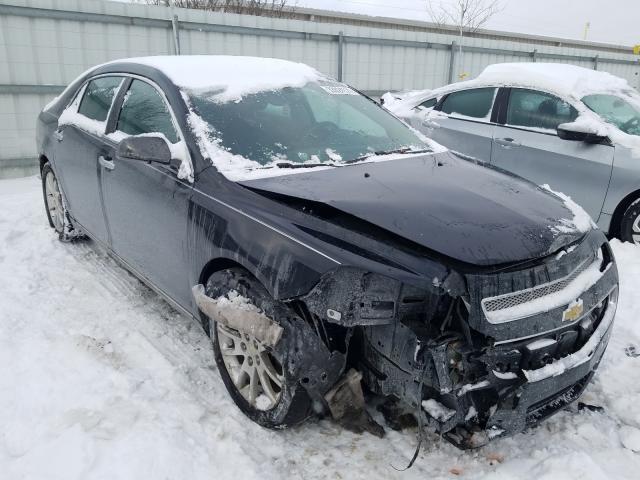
<point>526,143</point>
<point>462,122</point>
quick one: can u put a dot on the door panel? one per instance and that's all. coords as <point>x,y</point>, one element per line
<point>76,155</point>
<point>462,122</point>
<point>146,205</point>
<point>147,210</point>
<point>473,139</point>
<point>531,149</point>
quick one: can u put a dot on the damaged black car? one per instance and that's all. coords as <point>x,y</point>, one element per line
<point>329,249</point>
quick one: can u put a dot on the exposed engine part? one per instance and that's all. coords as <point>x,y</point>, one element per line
<point>251,321</point>
<point>347,406</point>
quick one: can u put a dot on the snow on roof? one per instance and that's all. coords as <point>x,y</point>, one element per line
<point>556,77</point>
<point>234,76</point>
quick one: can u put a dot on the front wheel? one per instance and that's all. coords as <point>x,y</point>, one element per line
<point>630,224</point>
<point>258,378</point>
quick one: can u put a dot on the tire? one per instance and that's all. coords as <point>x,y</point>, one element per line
<point>630,223</point>
<point>237,352</point>
<point>56,207</point>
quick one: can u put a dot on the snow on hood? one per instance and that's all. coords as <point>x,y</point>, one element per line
<point>581,221</point>
<point>232,76</point>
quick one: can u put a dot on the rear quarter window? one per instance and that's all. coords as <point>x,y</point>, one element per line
<point>98,96</point>
<point>474,103</point>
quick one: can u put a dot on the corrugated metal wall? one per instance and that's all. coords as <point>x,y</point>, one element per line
<point>45,44</point>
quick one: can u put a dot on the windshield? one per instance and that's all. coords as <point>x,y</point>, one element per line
<point>322,122</point>
<point>616,110</point>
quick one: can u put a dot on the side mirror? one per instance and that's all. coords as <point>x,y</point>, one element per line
<point>145,148</point>
<point>580,131</point>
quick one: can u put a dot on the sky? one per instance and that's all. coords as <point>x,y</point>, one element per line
<point>614,21</point>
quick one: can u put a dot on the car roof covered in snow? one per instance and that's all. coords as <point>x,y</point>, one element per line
<point>231,76</point>
<point>562,79</point>
<point>569,80</point>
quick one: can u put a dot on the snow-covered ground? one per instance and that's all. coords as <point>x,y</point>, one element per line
<point>101,379</point>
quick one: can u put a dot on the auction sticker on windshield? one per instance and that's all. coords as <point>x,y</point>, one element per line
<point>337,89</point>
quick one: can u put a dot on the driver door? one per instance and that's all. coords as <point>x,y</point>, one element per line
<point>146,204</point>
<point>527,144</point>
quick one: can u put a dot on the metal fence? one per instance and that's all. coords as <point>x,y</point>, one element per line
<point>45,44</point>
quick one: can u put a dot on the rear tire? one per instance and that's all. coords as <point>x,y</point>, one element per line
<point>56,207</point>
<point>630,223</point>
<point>276,399</point>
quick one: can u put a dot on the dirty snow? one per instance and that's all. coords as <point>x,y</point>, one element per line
<point>101,379</point>
<point>437,410</point>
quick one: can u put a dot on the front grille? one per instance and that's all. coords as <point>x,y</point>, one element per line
<point>509,300</point>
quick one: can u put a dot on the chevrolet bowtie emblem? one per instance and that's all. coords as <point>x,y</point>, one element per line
<point>573,311</point>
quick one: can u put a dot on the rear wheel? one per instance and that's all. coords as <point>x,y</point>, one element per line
<point>53,199</point>
<point>56,207</point>
<point>630,224</point>
<point>257,376</point>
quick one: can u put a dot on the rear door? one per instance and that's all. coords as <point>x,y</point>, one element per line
<point>146,205</point>
<point>462,122</point>
<point>80,145</point>
<point>526,143</point>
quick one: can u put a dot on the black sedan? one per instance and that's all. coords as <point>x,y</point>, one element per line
<point>325,246</point>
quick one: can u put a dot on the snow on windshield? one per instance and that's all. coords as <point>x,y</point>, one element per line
<point>294,129</point>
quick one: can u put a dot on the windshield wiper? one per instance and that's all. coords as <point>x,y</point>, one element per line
<point>303,165</point>
<point>379,153</point>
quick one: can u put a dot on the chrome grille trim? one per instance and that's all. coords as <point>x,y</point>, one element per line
<point>509,300</point>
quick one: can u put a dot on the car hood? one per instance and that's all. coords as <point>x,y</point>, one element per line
<point>459,209</point>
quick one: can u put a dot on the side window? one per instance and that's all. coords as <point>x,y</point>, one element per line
<point>145,111</point>
<point>529,108</point>
<point>427,104</point>
<point>98,96</point>
<point>474,103</point>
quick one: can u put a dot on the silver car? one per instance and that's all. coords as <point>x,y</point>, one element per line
<point>575,129</point>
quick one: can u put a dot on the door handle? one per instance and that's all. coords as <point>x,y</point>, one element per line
<point>58,135</point>
<point>507,142</point>
<point>106,162</point>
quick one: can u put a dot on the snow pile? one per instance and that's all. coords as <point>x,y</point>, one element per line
<point>581,221</point>
<point>237,302</point>
<point>231,77</point>
<point>101,380</point>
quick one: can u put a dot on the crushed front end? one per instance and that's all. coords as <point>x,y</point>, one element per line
<point>480,355</point>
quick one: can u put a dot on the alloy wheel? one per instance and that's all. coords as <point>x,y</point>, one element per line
<point>254,371</point>
<point>635,230</point>
<point>54,201</point>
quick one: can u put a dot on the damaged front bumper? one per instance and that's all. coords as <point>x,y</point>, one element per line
<point>474,376</point>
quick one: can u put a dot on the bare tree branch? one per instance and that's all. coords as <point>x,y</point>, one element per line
<point>271,8</point>
<point>465,15</point>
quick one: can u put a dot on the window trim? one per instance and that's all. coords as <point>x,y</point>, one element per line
<point>491,121</point>
<point>502,117</point>
<point>84,91</point>
<point>127,79</point>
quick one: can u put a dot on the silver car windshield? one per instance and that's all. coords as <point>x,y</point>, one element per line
<point>318,123</point>
<point>616,110</point>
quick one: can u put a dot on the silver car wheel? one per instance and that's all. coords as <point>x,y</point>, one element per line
<point>54,202</point>
<point>254,371</point>
<point>635,230</point>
